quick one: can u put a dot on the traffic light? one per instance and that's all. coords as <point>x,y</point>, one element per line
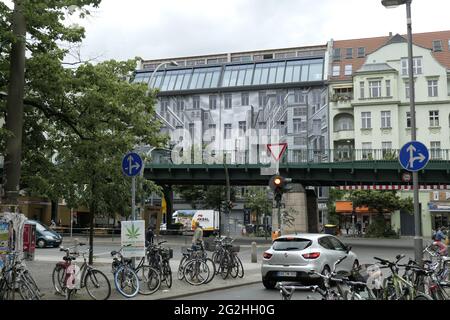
<point>279,185</point>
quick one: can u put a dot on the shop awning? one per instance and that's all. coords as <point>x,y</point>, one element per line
<point>346,207</point>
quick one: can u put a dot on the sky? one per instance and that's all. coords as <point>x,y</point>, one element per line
<point>153,29</point>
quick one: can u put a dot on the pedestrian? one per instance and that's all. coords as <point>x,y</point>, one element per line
<point>439,241</point>
<point>52,224</point>
<point>149,235</point>
<point>197,238</point>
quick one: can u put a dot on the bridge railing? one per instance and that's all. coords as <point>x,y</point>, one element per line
<point>299,156</point>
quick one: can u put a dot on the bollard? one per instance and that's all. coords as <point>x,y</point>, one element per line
<point>254,259</point>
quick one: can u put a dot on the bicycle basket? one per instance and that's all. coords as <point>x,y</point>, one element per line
<point>167,253</point>
<point>235,249</point>
<point>184,250</point>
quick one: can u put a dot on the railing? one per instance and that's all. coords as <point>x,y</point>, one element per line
<point>301,156</point>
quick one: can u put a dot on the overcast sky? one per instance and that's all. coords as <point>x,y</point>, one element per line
<point>155,29</point>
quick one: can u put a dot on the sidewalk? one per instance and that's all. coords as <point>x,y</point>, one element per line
<point>41,271</point>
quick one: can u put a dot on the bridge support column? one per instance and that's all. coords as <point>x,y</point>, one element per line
<point>168,196</point>
<point>301,206</point>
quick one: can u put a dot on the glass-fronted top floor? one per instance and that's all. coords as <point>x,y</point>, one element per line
<point>234,75</point>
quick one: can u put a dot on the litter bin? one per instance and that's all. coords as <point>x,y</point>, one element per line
<point>29,241</point>
<point>331,229</point>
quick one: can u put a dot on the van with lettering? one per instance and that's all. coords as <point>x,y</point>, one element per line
<point>208,219</point>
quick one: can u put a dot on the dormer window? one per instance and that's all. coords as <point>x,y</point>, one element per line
<point>437,45</point>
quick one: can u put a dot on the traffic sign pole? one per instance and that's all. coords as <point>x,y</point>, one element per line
<point>133,198</point>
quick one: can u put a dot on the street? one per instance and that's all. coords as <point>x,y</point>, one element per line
<point>248,288</point>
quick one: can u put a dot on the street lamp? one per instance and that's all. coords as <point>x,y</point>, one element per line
<point>171,63</point>
<point>418,245</point>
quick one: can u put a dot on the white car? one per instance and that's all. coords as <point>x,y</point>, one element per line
<point>293,257</point>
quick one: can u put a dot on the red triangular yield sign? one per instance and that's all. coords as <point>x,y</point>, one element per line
<point>277,149</point>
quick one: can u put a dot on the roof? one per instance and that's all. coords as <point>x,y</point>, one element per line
<point>375,67</point>
<point>311,236</point>
<point>372,44</point>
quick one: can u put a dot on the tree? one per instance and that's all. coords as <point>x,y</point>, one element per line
<point>36,26</point>
<point>257,201</point>
<point>194,195</point>
<point>333,196</point>
<point>380,202</point>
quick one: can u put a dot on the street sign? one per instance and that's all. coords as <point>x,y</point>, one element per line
<point>414,156</point>
<point>131,164</point>
<point>277,150</point>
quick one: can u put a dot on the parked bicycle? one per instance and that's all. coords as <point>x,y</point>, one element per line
<point>226,258</point>
<point>158,258</point>
<point>129,280</point>
<point>15,276</point>
<point>68,277</point>
<point>194,266</point>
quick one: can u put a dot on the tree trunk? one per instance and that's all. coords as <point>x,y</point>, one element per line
<point>14,107</point>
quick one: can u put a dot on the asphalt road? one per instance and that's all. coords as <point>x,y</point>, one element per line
<point>258,292</point>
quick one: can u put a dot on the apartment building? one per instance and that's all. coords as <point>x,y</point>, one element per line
<point>369,103</point>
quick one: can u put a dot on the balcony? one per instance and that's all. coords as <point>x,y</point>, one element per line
<point>341,101</point>
<point>344,135</point>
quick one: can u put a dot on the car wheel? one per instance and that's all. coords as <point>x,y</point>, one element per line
<point>41,243</point>
<point>269,284</point>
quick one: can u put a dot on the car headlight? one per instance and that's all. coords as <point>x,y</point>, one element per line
<point>49,237</point>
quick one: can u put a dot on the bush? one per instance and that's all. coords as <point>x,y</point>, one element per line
<point>379,229</point>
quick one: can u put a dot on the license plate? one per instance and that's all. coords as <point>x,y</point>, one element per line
<point>287,274</point>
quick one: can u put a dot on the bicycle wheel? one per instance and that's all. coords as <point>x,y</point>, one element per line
<point>180,272</point>
<point>196,272</point>
<point>167,272</point>
<point>58,279</point>
<point>224,267</point>
<point>212,269</point>
<point>25,291</point>
<point>241,267</point>
<point>149,280</point>
<point>422,297</point>
<point>234,266</point>
<point>27,276</point>
<point>97,285</point>
<point>126,282</point>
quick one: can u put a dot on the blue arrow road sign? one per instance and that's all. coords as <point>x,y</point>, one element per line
<point>131,164</point>
<point>414,156</point>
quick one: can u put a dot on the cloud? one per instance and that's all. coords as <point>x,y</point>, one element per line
<point>173,28</point>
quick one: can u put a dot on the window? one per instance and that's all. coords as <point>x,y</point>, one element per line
<point>300,112</point>
<point>388,88</point>
<point>241,59</point>
<point>344,123</point>
<point>386,147</point>
<point>212,128</point>
<point>242,127</point>
<point>361,52</point>
<point>366,120</point>
<point>203,78</point>
<point>336,54</point>
<point>300,141</point>
<point>240,75</point>
<point>245,99</point>
<point>437,45</point>
<point>179,106</point>
<point>417,66</point>
<point>299,97</point>
<point>361,88</point>
<point>213,102</point>
<point>297,124</point>
<point>375,89</point>
<point>432,88</point>
<point>408,119</point>
<point>435,148</point>
<point>367,150</point>
<point>228,101</point>
<point>267,73</point>
<point>262,99</point>
<point>434,118</point>
<point>385,119</point>
<point>196,102</point>
<point>349,53</point>
<point>227,131</point>
<point>164,107</point>
<point>336,71</point>
<point>407,90</point>
<point>348,70</point>
<point>436,195</point>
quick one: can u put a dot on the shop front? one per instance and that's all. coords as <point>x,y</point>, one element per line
<point>440,214</point>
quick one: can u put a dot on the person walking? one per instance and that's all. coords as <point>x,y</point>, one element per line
<point>439,241</point>
<point>149,235</point>
<point>197,238</point>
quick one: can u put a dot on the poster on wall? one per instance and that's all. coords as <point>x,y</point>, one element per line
<point>4,241</point>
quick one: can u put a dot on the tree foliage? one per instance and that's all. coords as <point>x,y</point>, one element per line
<point>257,200</point>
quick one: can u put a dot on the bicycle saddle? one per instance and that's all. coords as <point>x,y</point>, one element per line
<point>69,258</point>
<point>113,253</point>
